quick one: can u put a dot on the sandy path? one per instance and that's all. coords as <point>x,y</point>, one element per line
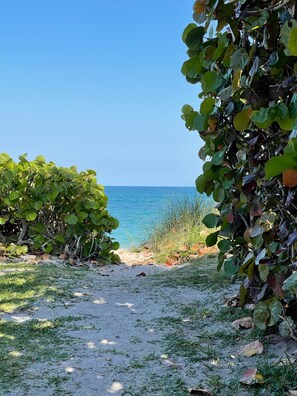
<point>131,332</point>
<point>118,340</point>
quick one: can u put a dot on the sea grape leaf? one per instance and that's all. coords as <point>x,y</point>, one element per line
<point>38,205</point>
<point>292,238</point>
<point>289,37</point>
<point>239,59</point>
<point>211,81</point>
<point>257,230</point>
<point>290,284</point>
<point>275,281</point>
<point>276,165</point>
<point>14,195</point>
<point>192,67</point>
<point>211,220</point>
<point>263,272</point>
<point>275,311</point>
<point>231,266</point>
<point>193,36</point>
<point>207,105</point>
<point>31,215</point>
<point>71,219</point>
<point>286,327</point>
<point>224,245</point>
<point>290,178</point>
<point>226,93</point>
<point>242,119</point>
<point>200,183</point>
<point>41,159</point>
<point>261,315</point>
<point>200,122</point>
<point>212,239</point>
<point>4,158</point>
<point>261,255</point>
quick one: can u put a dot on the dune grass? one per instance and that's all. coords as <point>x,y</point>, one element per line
<point>180,231</point>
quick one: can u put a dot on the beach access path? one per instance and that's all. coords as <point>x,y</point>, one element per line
<point>134,330</point>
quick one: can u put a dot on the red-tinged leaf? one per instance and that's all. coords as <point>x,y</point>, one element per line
<point>230,217</point>
<point>199,7</point>
<point>254,348</point>
<point>256,209</point>
<point>245,323</point>
<point>290,178</point>
<point>251,377</point>
<point>275,281</point>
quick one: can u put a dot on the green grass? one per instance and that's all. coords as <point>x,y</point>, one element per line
<point>200,273</point>
<point>22,284</point>
<point>31,340</point>
<point>180,230</point>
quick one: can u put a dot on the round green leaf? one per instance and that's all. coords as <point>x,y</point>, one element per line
<point>261,315</point>
<point>14,195</point>
<point>242,120</point>
<point>290,284</point>
<point>4,158</point>
<point>207,105</point>
<point>212,239</point>
<point>211,220</point>
<point>211,81</point>
<point>200,122</point>
<point>31,215</point>
<point>3,220</point>
<point>82,216</point>
<point>239,59</point>
<point>71,219</point>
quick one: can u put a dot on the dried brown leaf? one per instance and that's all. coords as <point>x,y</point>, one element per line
<point>246,323</point>
<point>254,348</point>
<point>251,377</point>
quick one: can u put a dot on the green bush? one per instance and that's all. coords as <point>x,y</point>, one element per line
<point>54,210</point>
<point>244,55</point>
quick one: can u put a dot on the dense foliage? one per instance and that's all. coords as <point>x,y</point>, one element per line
<point>244,55</point>
<point>45,208</point>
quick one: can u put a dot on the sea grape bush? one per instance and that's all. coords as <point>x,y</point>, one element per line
<point>244,56</point>
<point>50,209</point>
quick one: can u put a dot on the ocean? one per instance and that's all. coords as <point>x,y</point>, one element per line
<point>138,207</point>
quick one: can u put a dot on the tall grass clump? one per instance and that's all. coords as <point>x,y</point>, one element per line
<point>180,230</point>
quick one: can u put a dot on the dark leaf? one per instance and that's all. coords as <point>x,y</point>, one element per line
<point>292,238</point>
<point>275,281</point>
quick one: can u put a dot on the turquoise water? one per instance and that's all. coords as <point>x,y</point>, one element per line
<point>138,207</point>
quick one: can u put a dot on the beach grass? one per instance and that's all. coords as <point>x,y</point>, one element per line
<point>180,231</point>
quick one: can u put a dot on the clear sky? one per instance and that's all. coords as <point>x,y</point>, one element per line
<point>97,84</point>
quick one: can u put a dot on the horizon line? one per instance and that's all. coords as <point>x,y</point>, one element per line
<point>109,185</point>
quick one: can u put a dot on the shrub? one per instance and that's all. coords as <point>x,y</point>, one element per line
<point>54,210</point>
<point>247,119</point>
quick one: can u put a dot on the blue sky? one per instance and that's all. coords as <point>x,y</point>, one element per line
<point>97,84</point>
